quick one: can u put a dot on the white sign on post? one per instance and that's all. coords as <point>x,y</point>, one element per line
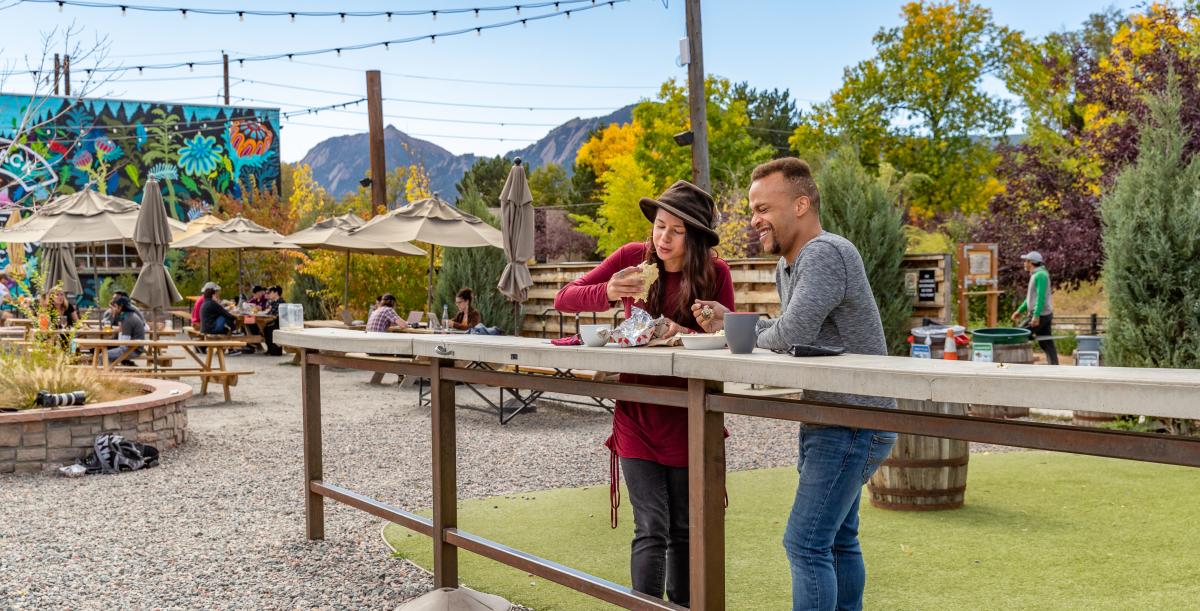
<point>1087,358</point>
<point>920,351</point>
<point>981,353</point>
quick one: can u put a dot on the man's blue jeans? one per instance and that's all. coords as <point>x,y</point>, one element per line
<point>822,532</point>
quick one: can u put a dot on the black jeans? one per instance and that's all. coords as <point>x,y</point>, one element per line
<point>659,495</point>
<point>269,335</point>
<point>1043,329</point>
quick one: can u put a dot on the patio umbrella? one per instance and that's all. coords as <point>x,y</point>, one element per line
<point>16,250</point>
<point>152,236</point>
<point>238,233</point>
<point>58,266</point>
<point>435,222</point>
<point>516,210</point>
<point>334,234</point>
<point>84,216</point>
<point>196,226</point>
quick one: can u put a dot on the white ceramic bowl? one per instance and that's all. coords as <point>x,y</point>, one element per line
<point>703,341</point>
<point>595,335</point>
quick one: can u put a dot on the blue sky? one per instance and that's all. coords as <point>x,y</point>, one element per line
<point>621,54</point>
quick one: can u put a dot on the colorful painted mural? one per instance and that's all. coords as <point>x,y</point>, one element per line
<point>197,152</point>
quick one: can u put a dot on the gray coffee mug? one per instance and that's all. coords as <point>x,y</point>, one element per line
<point>740,331</point>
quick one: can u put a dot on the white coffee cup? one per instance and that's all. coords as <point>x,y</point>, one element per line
<point>595,335</point>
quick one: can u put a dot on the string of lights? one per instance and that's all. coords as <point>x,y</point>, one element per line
<point>447,79</point>
<point>386,44</point>
<point>292,15</point>
<point>353,129</point>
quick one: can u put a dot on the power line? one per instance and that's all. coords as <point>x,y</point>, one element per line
<point>241,13</point>
<point>447,79</point>
<point>386,44</point>
<point>428,102</point>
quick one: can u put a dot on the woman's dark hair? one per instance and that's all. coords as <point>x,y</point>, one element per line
<point>465,295</point>
<point>258,288</point>
<point>698,281</point>
<point>387,299</point>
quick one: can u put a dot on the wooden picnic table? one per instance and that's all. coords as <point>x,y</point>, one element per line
<point>206,369</point>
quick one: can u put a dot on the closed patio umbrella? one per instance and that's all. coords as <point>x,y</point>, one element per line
<point>334,234</point>
<point>238,233</point>
<point>16,250</point>
<point>433,221</point>
<point>152,236</point>
<point>58,267</point>
<point>516,224</point>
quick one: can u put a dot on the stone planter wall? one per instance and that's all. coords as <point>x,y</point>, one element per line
<point>45,439</point>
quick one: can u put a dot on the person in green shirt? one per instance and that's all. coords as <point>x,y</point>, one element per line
<point>1039,304</point>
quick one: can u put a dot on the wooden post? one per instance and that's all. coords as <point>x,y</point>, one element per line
<point>375,123</point>
<point>66,75</point>
<point>57,72</point>
<point>697,99</point>
<point>706,498</point>
<point>310,388</point>
<point>225,65</point>
<point>960,274</point>
<point>445,480</point>
<point>346,317</point>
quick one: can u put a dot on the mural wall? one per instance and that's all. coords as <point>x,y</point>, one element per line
<point>196,152</point>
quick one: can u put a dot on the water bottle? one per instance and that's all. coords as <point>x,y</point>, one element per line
<point>445,315</point>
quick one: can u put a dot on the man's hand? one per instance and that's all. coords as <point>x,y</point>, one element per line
<point>626,283</point>
<point>710,315</point>
<point>1034,322</point>
<point>1015,316</point>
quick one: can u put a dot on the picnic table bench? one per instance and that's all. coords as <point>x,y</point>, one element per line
<point>206,369</point>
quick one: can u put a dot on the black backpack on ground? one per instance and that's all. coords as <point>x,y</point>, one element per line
<point>112,453</point>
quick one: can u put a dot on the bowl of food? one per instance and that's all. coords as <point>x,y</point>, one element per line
<point>703,341</point>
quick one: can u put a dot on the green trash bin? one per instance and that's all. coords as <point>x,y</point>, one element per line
<point>1008,345</point>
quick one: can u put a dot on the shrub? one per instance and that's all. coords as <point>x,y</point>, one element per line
<point>478,269</point>
<point>27,374</point>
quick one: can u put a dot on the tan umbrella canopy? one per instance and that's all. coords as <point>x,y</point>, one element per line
<point>84,216</point>
<point>196,226</point>
<point>152,236</point>
<point>58,267</point>
<point>433,221</point>
<point>238,233</point>
<point>334,234</point>
<point>516,210</point>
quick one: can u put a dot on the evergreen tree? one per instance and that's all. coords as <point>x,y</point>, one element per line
<point>865,210</point>
<point>476,268</point>
<point>1151,239</point>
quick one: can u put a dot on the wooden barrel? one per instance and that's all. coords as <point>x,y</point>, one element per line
<point>923,473</point>
<point>1021,353</point>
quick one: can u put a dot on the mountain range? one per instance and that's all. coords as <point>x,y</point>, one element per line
<point>338,163</point>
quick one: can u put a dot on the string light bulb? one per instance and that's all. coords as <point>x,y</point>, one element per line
<point>477,13</point>
<point>183,12</point>
<point>241,15</point>
<point>191,67</point>
<point>568,14</point>
<point>387,46</point>
<point>343,17</point>
<point>389,17</point>
<point>339,52</point>
<point>433,39</point>
<point>293,17</point>
<point>479,31</point>
<point>60,6</point>
<point>435,15</point>
<point>524,24</point>
<point>123,13</point>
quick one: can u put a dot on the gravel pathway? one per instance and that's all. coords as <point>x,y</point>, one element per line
<point>220,523</point>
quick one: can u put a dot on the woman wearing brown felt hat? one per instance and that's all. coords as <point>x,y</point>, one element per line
<point>650,441</point>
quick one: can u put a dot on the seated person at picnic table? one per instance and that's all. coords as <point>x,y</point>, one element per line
<point>258,297</point>
<point>200,303</point>
<point>384,317</point>
<point>214,318</point>
<point>274,296</point>
<point>65,315</point>
<point>106,317</point>
<point>130,326</point>
<point>467,316</point>
<point>650,442</point>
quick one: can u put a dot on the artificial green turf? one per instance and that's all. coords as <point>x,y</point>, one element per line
<point>1039,531</point>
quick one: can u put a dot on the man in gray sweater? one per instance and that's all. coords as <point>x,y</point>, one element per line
<point>826,300</point>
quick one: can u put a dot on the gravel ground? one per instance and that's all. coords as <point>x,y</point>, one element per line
<point>220,523</point>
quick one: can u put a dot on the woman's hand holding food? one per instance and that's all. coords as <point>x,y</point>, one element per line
<point>672,329</point>
<point>626,283</point>
<point>710,315</point>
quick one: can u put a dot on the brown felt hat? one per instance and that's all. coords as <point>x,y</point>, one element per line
<point>690,203</point>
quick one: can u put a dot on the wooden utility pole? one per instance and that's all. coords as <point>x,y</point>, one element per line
<point>225,63</point>
<point>697,100</point>
<point>66,75</point>
<point>57,72</point>
<point>375,123</point>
